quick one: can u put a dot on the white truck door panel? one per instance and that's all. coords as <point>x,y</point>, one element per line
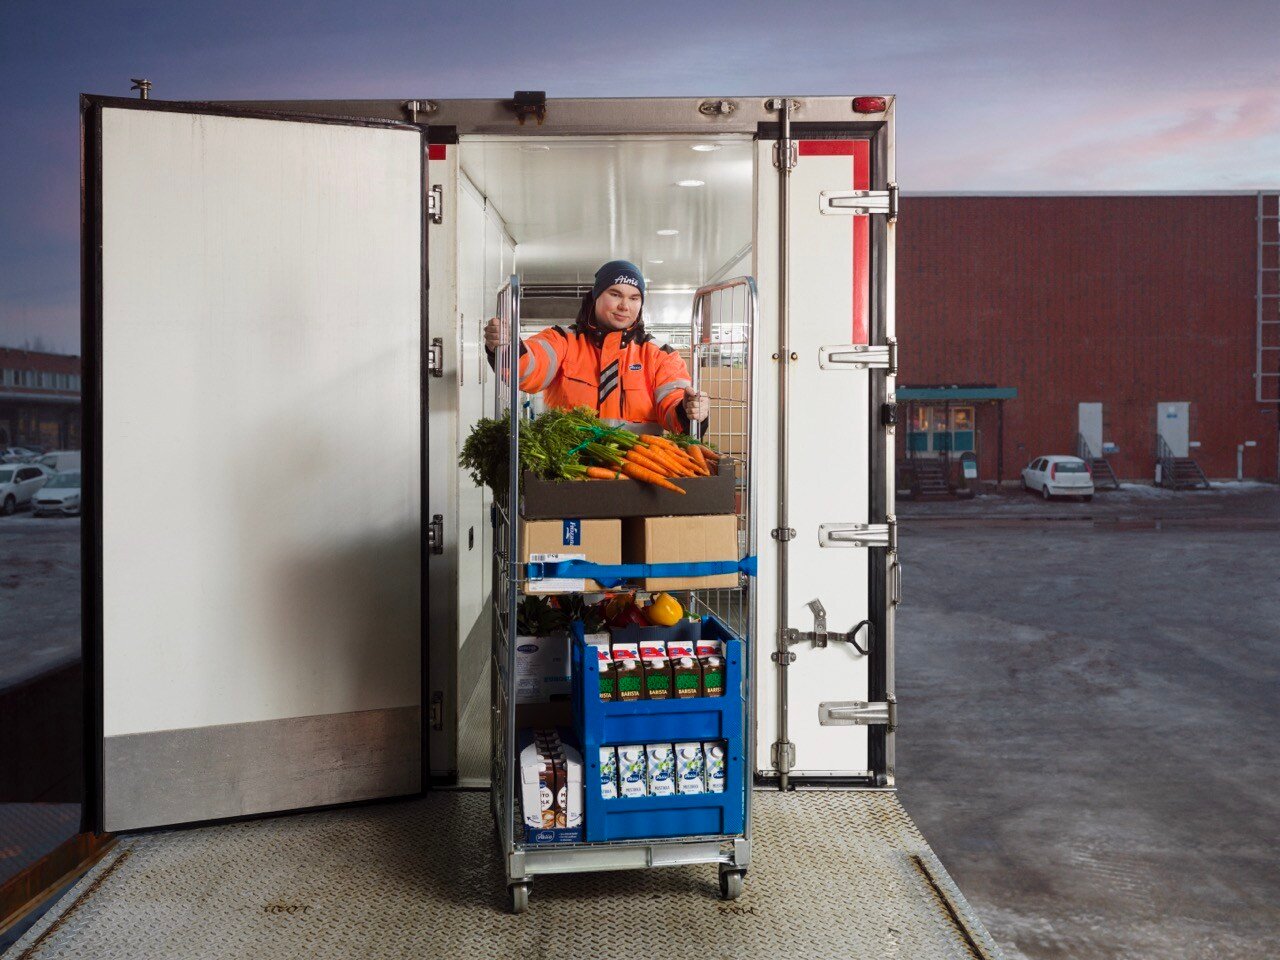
<point>257,515</point>
<point>830,456</point>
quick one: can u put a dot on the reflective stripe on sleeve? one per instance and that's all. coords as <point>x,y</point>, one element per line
<point>666,389</point>
<point>553,363</point>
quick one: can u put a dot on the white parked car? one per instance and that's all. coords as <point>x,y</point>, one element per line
<point>60,495</point>
<point>61,461</point>
<point>1059,477</point>
<point>16,454</point>
<point>18,484</point>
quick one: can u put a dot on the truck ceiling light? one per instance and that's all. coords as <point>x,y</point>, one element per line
<point>668,233</point>
<point>870,104</point>
<point>690,183</point>
<point>705,147</point>
<point>655,261</point>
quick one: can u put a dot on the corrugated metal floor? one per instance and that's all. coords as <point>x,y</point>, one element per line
<point>834,874</point>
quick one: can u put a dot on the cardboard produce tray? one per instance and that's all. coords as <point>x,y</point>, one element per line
<point>598,499</point>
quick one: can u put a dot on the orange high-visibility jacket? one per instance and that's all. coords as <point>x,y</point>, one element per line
<point>625,376</point>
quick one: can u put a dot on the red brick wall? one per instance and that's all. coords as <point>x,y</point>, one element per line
<point>1124,300</point>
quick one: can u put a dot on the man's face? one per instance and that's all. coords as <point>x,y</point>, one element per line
<point>618,307</point>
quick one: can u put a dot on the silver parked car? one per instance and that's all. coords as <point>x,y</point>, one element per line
<point>1059,477</point>
<point>16,454</point>
<point>18,484</point>
<point>61,495</point>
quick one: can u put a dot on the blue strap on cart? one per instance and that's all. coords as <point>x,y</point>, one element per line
<point>610,575</point>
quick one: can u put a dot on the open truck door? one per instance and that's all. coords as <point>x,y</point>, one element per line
<point>254,553</point>
<point>826,209</point>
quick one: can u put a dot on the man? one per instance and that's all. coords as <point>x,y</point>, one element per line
<point>608,362</point>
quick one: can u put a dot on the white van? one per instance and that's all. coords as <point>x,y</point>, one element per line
<point>61,461</point>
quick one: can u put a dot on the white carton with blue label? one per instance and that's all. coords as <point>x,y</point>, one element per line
<point>661,769</point>
<point>632,771</point>
<point>544,543</point>
<point>691,769</point>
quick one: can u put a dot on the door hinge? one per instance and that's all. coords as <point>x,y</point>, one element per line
<point>792,158</point>
<point>888,414</point>
<point>859,713</point>
<point>435,204</point>
<point>435,357</point>
<point>861,356</point>
<point>435,533</point>
<point>860,203</point>
<point>859,534</point>
<point>437,709</point>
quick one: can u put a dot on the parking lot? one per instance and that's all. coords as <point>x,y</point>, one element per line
<point>1087,704</point>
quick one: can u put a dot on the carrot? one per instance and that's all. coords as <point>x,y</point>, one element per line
<point>643,460</point>
<point>677,453</point>
<point>600,473</point>
<point>671,465</point>
<point>706,451</point>
<point>637,472</point>
<point>702,463</point>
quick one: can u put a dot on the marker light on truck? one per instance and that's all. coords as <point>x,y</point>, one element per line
<point>870,104</point>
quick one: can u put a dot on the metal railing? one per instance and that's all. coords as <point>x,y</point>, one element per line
<point>1083,450</point>
<point>1165,460</point>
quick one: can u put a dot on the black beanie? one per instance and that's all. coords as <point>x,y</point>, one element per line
<point>618,271</point>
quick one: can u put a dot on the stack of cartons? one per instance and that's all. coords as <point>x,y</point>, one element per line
<point>550,787</point>
<point>661,769</point>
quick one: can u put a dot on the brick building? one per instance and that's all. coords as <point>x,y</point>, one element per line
<point>1029,322</point>
<point>39,399</point>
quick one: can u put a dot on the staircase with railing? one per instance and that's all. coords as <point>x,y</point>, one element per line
<point>1178,473</point>
<point>1099,466</point>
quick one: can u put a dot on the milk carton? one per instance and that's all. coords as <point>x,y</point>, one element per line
<point>657,670</point>
<point>691,770</point>
<point>661,769</point>
<point>599,643</point>
<point>569,787</point>
<point>626,656</point>
<point>686,671</point>
<point>608,773</point>
<point>632,774</point>
<point>715,766</point>
<point>711,656</point>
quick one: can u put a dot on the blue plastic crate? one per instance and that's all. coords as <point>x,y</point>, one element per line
<point>604,724</point>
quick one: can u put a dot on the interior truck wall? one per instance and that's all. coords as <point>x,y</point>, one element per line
<point>260,516</point>
<point>1123,300</point>
<point>485,261</point>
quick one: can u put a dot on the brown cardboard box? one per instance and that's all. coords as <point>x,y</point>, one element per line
<point>682,540</point>
<point>599,541</point>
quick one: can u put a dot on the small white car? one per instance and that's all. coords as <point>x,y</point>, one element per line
<point>1059,477</point>
<point>16,454</point>
<point>18,484</point>
<point>60,495</point>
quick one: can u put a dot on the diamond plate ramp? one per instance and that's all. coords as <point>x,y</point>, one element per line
<point>833,874</point>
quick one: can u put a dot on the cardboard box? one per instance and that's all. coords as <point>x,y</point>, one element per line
<point>543,668</point>
<point>550,499</point>
<point>682,540</point>
<point>569,539</point>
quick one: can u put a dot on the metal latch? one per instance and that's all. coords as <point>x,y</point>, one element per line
<point>437,709</point>
<point>860,203</point>
<point>895,583</point>
<point>435,533</point>
<point>820,636</point>
<point>858,534</point>
<point>435,204</point>
<point>859,713</point>
<point>435,357</point>
<point>860,356</point>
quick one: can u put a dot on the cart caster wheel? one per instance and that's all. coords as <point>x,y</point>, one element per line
<point>519,897</point>
<point>730,884</point>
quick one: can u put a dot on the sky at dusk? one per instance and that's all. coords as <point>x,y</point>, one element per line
<point>1005,96</point>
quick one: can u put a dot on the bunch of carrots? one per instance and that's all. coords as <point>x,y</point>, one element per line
<point>615,453</point>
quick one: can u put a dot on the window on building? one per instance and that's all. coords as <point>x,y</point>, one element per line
<point>10,377</point>
<point>28,378</point>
